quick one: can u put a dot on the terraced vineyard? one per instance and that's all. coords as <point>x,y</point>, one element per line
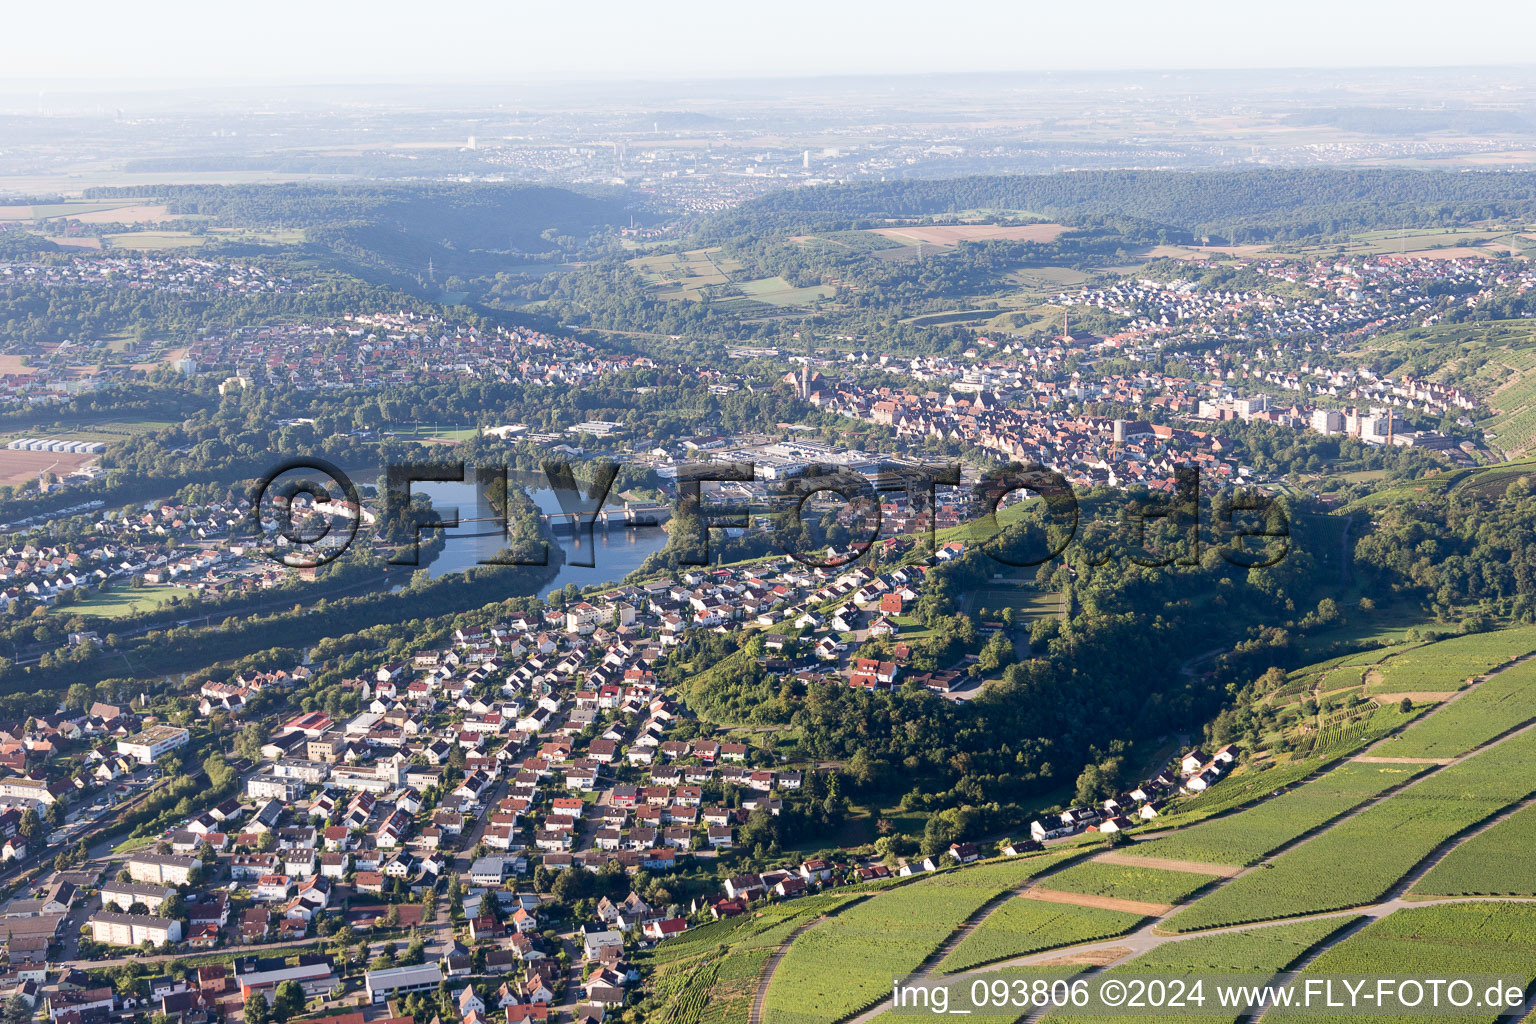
<point>1023,926</point>
<point>1496,862</point>
<point>709,974</point>
<point>846,963</point>
<point>716,990</point>
<point>729,998</point>
<point>1495,706</point>
<point>1356,728</point>
<point>1337,673</point>
<point>1514,428</point>
<point>1245,837</point>
<point>1447,665</point>
<point>1126,882</point>
<point>1246,785</point>
<point>1437,942</point>
<point>1258,950</point>
<point>1355,856</point>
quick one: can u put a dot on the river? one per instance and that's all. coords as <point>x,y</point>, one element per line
<point>617,552</point>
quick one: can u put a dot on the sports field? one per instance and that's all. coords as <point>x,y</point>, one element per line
<point>121,601</point>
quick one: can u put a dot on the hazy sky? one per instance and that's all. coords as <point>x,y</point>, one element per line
<point>342,40</point>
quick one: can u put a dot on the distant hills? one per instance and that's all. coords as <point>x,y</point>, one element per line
<point>1266,203</point>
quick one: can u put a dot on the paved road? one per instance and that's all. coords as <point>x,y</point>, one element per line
<point>461,860</point>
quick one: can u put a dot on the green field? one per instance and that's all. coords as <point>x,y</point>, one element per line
<point>1447,665</point>
<point>1364,857</point>
<point>120,601</point>
<point>1257,950</point>
<point>845,964</point>
<point>424,433</point>
<point>1492,707</point>
<point>1247,836</point>
<point>67,209</point>
<point>1495,862</point>
<point>1126,882</point>
<point>1437,942</point>
<point>1022,926</point>
<point>685,275</point>
<point>778,292</point>
<point>1027,602</point>
<point>107,432</point>
<point>155,240</point>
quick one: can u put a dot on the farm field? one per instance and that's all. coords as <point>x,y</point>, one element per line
<point>1439,942</point>
<point>1258,950</point>
<point>952,234</point>
<point>1126,882</point>
<point>1447,665</point>
<point>1245,837</point>
<point>778,292</point>
<point>684,275</point>
<point>699,273</point>
<point>817,982</point>
<point>1049,279</point>
<point>1494,706</point>
<point>1352,855</point>
<point>1021,926</point>
<point>1496,862</point>
<point>18,468</point>
<point>66,209</point>
<point>138,213</point>
<point>106,432</point>
<point>155,240</point>
<point>1204,252</point>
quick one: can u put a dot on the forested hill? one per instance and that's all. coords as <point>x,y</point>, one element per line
<point>1258,204</point>
<point>403,226</point>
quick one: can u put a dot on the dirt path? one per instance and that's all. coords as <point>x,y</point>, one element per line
<point>1193,867</point>
<point>1091,958</point>
<point>765,976</point>
<point>1084,899</point>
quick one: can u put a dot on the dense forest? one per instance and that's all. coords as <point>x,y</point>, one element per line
<point>1110,670</point>
<point>1237,206</point>
<point>460,228</point>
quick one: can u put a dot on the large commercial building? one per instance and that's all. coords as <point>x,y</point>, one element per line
<point>152,743</point>
<point>399,981</point>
